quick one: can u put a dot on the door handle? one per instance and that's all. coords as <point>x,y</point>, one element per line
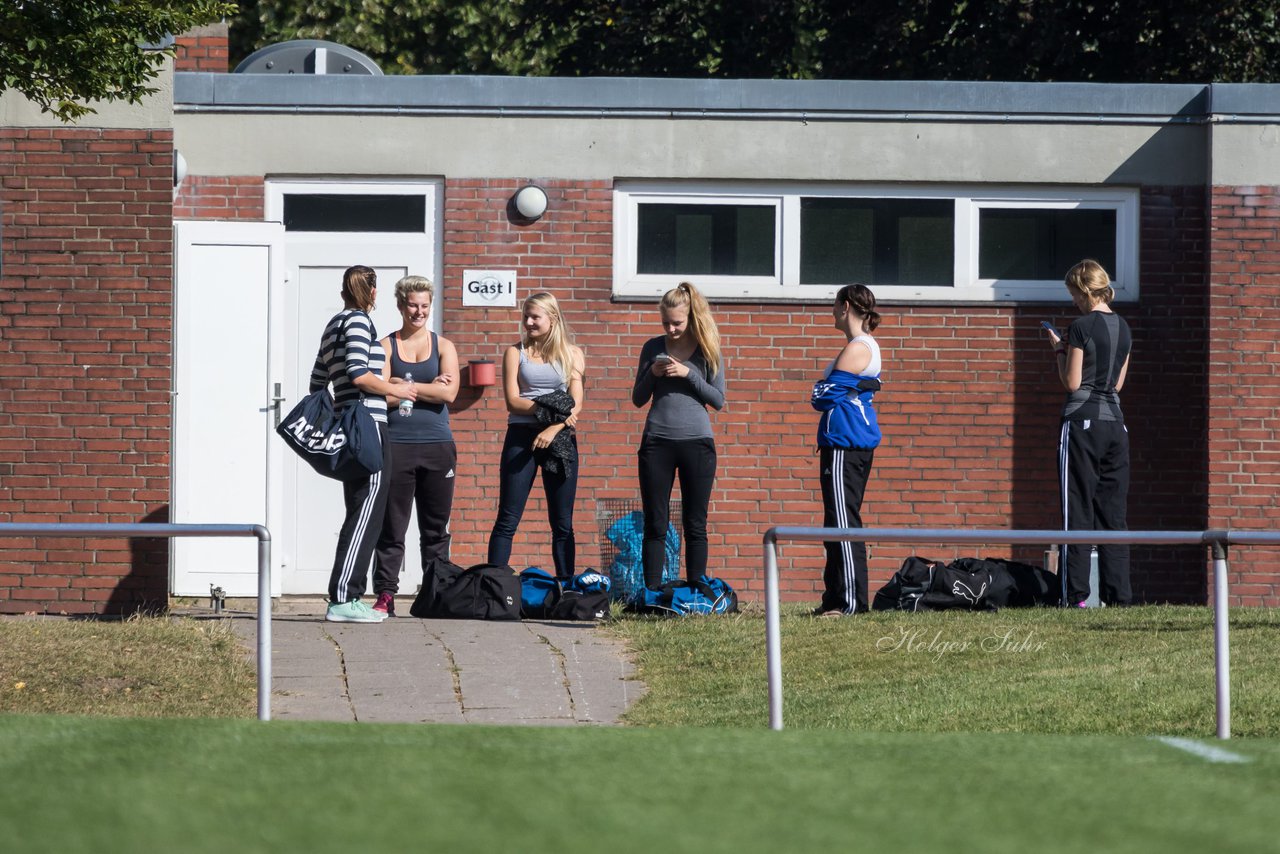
<point>275,403</point>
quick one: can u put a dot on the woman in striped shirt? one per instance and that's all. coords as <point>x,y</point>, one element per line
<point>351,359</point>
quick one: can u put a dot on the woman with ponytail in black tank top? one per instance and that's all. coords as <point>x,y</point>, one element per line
<point>425,457</point>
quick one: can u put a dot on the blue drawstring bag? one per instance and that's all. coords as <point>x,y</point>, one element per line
<point>626,571</point>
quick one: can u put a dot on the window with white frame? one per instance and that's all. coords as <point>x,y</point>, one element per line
<point>931,243</point>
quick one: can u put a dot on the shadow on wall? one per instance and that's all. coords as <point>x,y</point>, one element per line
<point>145,589</point>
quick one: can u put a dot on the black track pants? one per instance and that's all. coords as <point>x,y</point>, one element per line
<point>366,502</point>
<point>423,476</point>
<point>844,476</point>
<point>1093,467</point>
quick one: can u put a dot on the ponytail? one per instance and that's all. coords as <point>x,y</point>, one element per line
<point>701,323</point>
<point>1090,279</point>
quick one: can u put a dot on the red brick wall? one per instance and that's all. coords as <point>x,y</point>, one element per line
<point>203,49</point>
<point>219,197</point>
<point>85,337</point>
<point>969,407</point>
<point>1243,438</point>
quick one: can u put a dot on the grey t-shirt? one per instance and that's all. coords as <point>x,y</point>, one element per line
<point>679,408</point>
<point>535,379</point>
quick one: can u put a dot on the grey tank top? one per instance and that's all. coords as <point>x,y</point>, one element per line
<point>535,379</point>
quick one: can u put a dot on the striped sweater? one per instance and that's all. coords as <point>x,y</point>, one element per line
<point>349,348</point>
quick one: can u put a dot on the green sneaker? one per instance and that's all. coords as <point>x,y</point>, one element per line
<point>354,611</point>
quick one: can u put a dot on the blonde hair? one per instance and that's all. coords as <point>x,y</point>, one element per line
<point>1089,279</point>
<point>409,285</point>
<point>701,323</point>
<point>555,346</point>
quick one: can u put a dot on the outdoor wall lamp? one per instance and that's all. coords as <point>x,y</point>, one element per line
<point>530,201</point>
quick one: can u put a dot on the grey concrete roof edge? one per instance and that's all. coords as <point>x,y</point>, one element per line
<point>606,94</point>
<point>1246,99</point>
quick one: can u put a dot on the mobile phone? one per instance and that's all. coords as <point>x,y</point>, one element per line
<point>662,357</point>
<point>1051,328</point>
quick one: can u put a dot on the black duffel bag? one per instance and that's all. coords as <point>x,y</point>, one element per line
<point>482,592</point>
<point>342,445</point>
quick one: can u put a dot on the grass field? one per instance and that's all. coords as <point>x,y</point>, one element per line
<point>70,784</point>
<point>1136,671</point>
<point>1006,732</point>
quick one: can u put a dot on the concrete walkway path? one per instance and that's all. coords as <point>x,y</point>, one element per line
<point>442,671</point>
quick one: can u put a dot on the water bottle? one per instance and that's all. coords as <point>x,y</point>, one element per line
<point>406,406</point>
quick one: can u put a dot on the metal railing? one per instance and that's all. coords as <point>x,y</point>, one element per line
<point>1218,541</point>
<point>155,530</point>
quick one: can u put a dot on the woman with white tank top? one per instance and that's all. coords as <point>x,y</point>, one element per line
<point>848,434</point>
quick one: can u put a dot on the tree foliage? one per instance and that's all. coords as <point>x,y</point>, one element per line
<point>61,53</point>
<point>1158,41</point>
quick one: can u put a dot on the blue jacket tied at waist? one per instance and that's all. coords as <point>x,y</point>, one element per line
<point>848,415</point>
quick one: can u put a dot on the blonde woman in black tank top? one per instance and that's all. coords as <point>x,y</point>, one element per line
<point>424,455</point>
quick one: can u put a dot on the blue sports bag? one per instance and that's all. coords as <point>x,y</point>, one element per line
<point>681,599</point>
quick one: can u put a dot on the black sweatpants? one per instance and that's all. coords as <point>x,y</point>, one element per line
<point>1093,467</point>
<point>366,502</point>
<point>423,475</point>
<point>844,474</point>
<point>658,462</point>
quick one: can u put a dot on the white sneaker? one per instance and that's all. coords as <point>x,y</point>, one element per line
<point>354,611</point>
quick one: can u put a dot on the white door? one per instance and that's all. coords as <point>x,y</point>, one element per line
<point>312,505</point>
<point>227,369</point>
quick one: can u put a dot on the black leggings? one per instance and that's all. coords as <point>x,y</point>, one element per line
<point>659,461</point>
<point>515,482</point>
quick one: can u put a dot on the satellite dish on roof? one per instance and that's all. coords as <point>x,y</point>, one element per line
<point>308,56</point>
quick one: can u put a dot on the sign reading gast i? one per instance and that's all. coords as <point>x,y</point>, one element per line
<point>489,287</point>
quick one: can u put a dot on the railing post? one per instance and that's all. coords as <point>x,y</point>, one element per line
<point>1221,645</point>
<point>169,531</point>
<point>772,634</point>
<point>1219,540</point>
<point>264,623</point>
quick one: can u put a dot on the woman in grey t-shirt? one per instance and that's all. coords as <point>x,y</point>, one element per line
<point>682,373</point>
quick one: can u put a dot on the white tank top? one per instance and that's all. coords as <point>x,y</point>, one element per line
<point>873,367</point>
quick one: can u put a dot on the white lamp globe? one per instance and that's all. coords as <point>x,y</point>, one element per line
<point>531,202</point>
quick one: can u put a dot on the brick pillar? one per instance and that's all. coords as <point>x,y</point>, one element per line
<point>203,49</point>
<point>1244,352</point>
<point>86,244</point>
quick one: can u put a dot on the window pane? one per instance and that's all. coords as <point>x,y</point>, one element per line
<point>719,240</point>
<point>336,212</point>
<point>1043,244</point>
<point>877,241</point>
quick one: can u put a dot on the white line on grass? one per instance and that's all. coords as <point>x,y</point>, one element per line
<point>1204,751</point>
